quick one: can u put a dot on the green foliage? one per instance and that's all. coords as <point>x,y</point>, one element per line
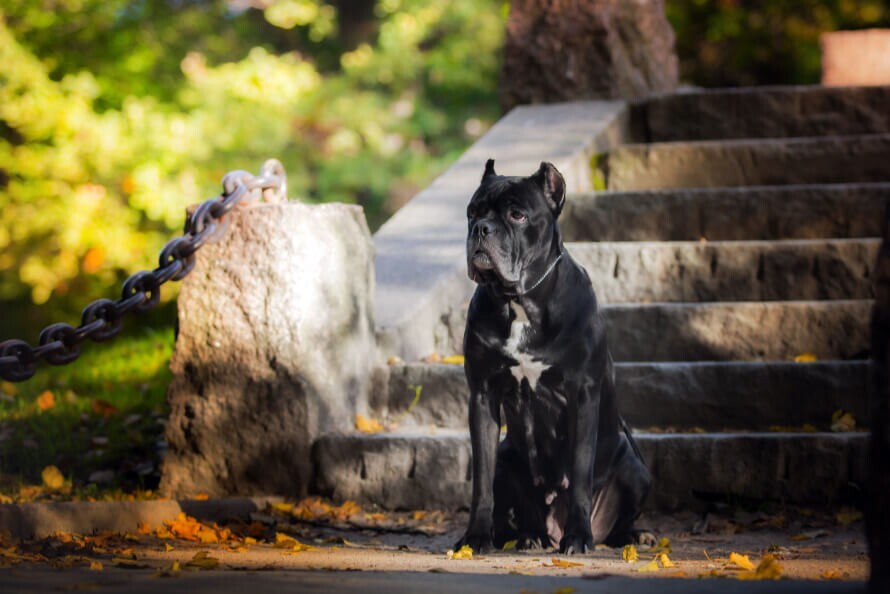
<point>739,42</point>
<point>114,116</point>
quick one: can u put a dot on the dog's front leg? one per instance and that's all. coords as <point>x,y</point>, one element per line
<point>484,430</point>
<point>583,429</point>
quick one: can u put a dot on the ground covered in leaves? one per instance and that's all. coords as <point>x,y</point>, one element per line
<point>315,534</point>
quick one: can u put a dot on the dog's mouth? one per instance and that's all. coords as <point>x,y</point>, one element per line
<point>481,261</point>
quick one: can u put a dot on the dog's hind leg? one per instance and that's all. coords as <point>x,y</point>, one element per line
<point>618,504</point>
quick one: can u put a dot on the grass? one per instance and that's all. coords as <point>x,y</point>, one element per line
<point>106,418</point>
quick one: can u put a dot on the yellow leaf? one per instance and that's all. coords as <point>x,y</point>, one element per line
<point>629,554</point>
<point>8,388</point>
<point>651,566</point>
<point>847,516</point>
<point>46,400</point>
<point>663,545</point>
<point>465,552</point>
<point>203,560</point>
<point>201,497</point>
<point>125,563</point>
<point>563,563</point>
<point>510,545</point>
<point>96,566</point>
<point>282,507</point>
<point>168,547</point>
<point>366,425</point>
<point>453,360</point>
<point>741,560</point>
<point>806,358</point>
<point>842,421</point>
<point>52,478</point>
<point>767,569</point>
<point>664,560</point>
<point>143,528</point>
<point>564,590</point>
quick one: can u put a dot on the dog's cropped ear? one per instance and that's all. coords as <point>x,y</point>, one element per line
<point>553,185</point>
<point>489,169</point>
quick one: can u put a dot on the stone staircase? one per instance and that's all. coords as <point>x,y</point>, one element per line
<point>732,232</point>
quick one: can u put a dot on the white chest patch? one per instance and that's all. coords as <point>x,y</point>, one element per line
<point>527,367</point>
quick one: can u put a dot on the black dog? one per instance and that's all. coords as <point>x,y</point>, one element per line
<point>568,472</point>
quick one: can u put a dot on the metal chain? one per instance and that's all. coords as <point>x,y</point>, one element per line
<point>101,320</point>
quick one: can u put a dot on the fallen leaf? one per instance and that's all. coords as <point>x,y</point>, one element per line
<point>52,478</point>
<point>848,515</point>
<point>800,537</point>
<point>201,497</point>
<point>564,590</point>
<point>8,388</point>
<point>433,358</point>
<point>143,528</point>
<point>102,408</point>
<point>629,554</point>
<point>675,574</point>
<point>203,560</point>
<point>283,507</point>
<point>126,563</point>
<point>46,400</point>
<point>366,425</point>
<point>664,560</point>
<point>167,547</point>
<point>806,358</point>
<point>651,566</point>
<point>465,552</point>
<point>663,545</point>
<point>96,566</point>
<point>557,562</point>
<point>510,545</point>
<point>171,571</point>
<point>831,574</point>
<point>453,360</point>
<point>842,421</point>
<point>767,569</point>
<point>741,561</point>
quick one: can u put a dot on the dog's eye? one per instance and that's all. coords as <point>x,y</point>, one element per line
<point>516,215</point>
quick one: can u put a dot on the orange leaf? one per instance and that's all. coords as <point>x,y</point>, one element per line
<point>741,560</point>
<point>366,425</point>
<point>102,408</point>
<point>806,358</point>
<point>46,400</point>
<point>562,563</point>
<point>92,260</point>
<point>201,497</point>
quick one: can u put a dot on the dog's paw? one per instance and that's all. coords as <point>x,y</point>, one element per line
<point>644,538</point>
<point>576,544</point>
<point>480,543</point>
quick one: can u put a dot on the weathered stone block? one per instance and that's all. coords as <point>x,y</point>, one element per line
<point>275,347</point>
<point>563,50</point>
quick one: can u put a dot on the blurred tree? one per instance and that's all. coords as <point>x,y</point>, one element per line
<point>115,115</point>
<point>745,42</point>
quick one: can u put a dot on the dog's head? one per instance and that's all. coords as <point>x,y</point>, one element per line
<point>513,236</point>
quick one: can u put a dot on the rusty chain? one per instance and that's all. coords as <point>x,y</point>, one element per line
<point>101,320</point>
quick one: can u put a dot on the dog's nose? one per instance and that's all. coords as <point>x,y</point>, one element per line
<point>484,228</point>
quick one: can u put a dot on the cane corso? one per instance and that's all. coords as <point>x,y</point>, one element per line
<point>568,473</point>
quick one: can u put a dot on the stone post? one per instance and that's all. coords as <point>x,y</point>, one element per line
<point>566,50</point>
<point>877,503</point>
<point>274,348</point>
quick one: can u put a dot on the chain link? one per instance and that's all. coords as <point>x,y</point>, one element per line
<point>101,320</point>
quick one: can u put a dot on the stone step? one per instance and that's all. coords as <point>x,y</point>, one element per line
<point>701,395</point>
<point>721,331</point>
<point>834,159</point>
<point>623,272</point>
<point>764,212</point>
<point>430,469</point>
<point>744,331</point>
<point>763,112</point>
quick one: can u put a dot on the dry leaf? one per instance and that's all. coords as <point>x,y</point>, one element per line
<point>433,358</point>
<point>842,421</point>
<point>453,360</point>
<point>847,516</point>
<point>562,563</point>
<point>201,497</point>
<point>52,478</point>
<point>46,400</point>
<point>629,554</point>
<point>831,574</point>
<point>510,545</point>
<point>102,408</point>
<point>143,528</point>
<point>8,388</point>
<point>366,425</point>
<point>564,590</point>
<point>651,566</point>
<point>741,560</point>
<point>806,358</point>
<point>465,552</point>
<point>203,560</point>
<point>167,547</point>
<point>96,566</point>
<point>768,569</point>
<point>664,560</point>
<point>126,563</point>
